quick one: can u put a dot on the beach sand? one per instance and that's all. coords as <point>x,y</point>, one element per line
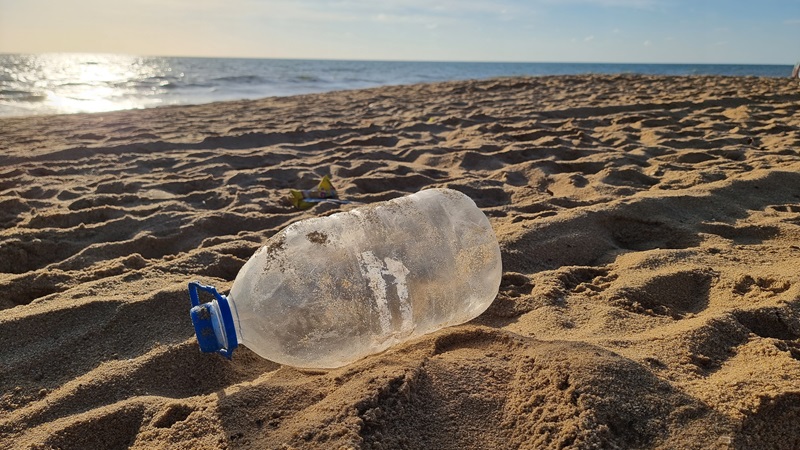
<point>649,228</point>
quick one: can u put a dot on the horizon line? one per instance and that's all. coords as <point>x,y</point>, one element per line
<point>395,60</point>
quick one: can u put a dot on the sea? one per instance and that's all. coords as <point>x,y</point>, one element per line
<point>65,83</point>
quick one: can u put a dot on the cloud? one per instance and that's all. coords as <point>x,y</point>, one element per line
<point>635,4</point>
<point>791,22</point>
<point>407,7</point>
<point>589,38</point>
<point>424,12</point>
<point>647,43</point>
<point>428,21</point>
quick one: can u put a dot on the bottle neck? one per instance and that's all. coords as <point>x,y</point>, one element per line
<point>217,324</point>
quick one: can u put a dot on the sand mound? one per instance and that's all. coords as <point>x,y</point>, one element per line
<point>650,231</point>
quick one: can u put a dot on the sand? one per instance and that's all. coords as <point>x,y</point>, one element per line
<point>649,228</point>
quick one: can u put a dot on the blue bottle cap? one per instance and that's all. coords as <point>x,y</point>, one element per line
<point>213,321</point>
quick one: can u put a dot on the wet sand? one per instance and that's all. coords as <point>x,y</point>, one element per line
<point>649,228</point>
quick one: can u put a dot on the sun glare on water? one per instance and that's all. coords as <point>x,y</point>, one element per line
<point>71,83</point>
<point>89,83</point>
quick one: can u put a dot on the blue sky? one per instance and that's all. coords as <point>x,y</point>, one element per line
<point>757,32</point>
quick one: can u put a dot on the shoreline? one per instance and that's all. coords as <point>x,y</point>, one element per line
<point>322,92</point>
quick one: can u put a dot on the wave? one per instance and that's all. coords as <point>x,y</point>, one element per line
<point>240,79</point>
<point>14,95</point>
<point>305,78</point>
<point>13,92</point>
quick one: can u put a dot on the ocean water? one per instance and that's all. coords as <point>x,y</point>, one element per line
<point>72,83</point>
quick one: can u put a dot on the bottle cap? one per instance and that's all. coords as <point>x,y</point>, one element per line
<point>204,328</point>
<point>213,321</point>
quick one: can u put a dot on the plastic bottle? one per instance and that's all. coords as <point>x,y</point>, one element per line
<point>327,291</point>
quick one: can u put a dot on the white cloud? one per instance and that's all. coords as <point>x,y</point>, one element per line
<point>791,22</point>
<point>423,12</point>
<point>436,7</point>
<point>636,4</point>
<point>647,43</point>
<point>589,38</point>
<point>427,21</point>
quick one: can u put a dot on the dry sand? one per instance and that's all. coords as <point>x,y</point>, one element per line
<point>650,231</point>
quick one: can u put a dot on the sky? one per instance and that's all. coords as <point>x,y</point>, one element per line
<point>636,31</point>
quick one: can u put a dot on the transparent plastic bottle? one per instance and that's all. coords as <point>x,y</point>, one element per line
<point>327,291</point>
